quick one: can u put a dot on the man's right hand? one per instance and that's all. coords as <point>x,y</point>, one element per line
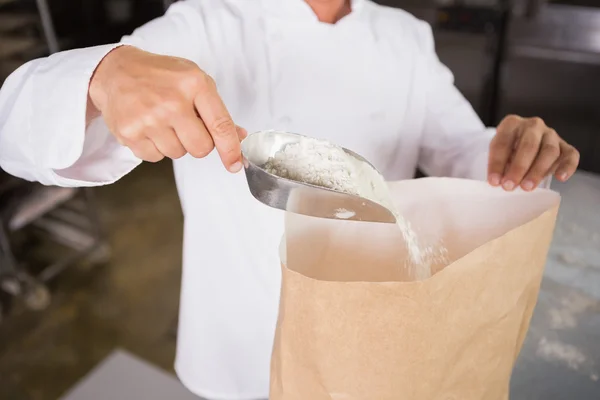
<point>164,106</point>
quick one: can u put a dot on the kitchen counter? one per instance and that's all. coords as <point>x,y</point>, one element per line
<point>561,356</point>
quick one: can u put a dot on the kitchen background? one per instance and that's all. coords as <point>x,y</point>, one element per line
<point>64,307</point>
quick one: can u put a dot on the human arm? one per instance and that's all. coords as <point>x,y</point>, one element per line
<point>45,134</point>
<point>43,127</point>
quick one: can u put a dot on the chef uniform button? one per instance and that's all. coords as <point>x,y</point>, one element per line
<point>285,120</point>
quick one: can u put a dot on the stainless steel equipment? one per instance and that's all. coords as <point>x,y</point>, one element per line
<point>298,197</point>
<point>552,70</point>
<point>556,32</point>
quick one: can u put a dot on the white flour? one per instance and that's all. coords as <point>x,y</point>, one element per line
<point>321,163</point>
<point>342,213</point>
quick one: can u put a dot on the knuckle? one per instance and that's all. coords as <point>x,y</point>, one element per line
<point>150,119</point>
<point>529,144</point>
<point>223,126</point>
<point>202,148</point>
<point>500,141</point>
<point>203,151</point>
<point>171,106</point>
<point>129,132</point>
<point>155,158</point>
<point>208,81</point>
<point>497,168</point>
<point>573,155</point>
<point>177,150</point>
<point>190,79</point>
<point>519,167</point>
<point>227,151</point>
<point>176,154</point>
<point>187,64</point>
<point>163,110</point>
<point>512,118</point>
<point>539,170</point>
<point>536,122</point>
<point>536,174</point>
<point>497,165</point>
<point>172,149</point>
<point>495,160</point>
<point>149,156</point>
<point>550,150</point>
<point>199,80</point>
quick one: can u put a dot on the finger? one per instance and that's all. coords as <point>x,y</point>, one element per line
<point>525,154</point>
<point>216,118</point>
<point>554,167</point>
<point>545,160</point>
<point>242,133</point>
<point>568,162</point>
<point>193,135</point>
<point>501,148</point>
<point>547,179</point>
<point>146,150</point>
<point>167,142</point>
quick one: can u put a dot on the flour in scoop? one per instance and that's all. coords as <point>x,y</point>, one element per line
<point>324,164</point>
<point>315,162</point>
<point>342,213</point>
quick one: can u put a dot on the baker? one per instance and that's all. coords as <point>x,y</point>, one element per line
<point>361,75</point>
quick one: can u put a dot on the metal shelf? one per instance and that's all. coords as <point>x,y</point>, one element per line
<point>4,2</point>
<point>39,202</point>
<point>12,21</point>
<point>7,67</point>
<point>551,54</point>
<point>14,46</point>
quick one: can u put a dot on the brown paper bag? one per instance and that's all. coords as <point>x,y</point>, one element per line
<point>353,326</point>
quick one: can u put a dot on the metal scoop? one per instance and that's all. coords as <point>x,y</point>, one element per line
<point>298,197</point>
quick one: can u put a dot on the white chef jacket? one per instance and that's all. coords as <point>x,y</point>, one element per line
<point>372,83</point>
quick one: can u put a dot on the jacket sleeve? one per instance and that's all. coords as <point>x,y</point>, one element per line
<point>454,142</point>
<point>43,133</point>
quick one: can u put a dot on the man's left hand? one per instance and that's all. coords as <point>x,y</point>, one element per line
<point>525,151</point>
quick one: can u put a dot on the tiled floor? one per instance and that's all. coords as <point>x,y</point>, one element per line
<point>130,303</point>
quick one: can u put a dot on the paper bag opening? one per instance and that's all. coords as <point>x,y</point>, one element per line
<point>452,216</point>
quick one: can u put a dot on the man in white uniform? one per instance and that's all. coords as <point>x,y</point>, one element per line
<point>361,75</point>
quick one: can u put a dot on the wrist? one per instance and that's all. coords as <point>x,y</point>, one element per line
<point>97,96</point>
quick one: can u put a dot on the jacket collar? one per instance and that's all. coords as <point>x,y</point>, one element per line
<point>299,9</point>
